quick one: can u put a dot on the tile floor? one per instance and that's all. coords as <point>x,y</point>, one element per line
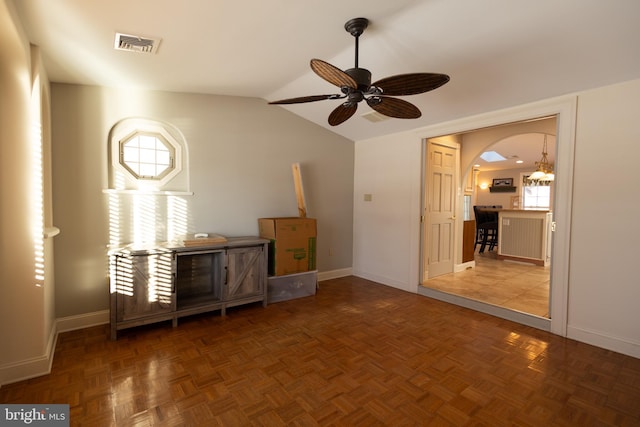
<point>518,286</point>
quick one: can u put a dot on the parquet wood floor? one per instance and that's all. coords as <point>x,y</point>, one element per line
<point>356,354</point>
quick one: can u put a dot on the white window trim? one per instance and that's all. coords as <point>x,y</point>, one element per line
<point>523,177</point>
<point>170,148</point>
<point>127,132</point>
<point>123,180</point>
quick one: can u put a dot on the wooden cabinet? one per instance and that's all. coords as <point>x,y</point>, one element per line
<point>154,284</point>
<point>468,240</point>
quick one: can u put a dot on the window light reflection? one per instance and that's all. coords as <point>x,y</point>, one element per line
<point>177,214</point>
<point>144,221</point>
<point>158,278</point>
<point>123,274</point>
<point>37,186</point>
<point>152,271</point>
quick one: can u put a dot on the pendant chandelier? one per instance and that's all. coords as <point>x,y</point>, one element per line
<point>544,171</point>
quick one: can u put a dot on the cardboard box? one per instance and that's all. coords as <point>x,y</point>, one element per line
<point>292,286</point>
<point>292,247</point>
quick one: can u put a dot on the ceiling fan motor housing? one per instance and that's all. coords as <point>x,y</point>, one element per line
<point>362,77</point>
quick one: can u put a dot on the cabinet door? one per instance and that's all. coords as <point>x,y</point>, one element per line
<point>144,286</point>
<point>245,272</point>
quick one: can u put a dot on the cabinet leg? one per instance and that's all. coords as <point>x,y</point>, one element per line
<point>174,322</point>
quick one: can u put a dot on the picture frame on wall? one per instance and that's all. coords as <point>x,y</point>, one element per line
<point>503,182</point>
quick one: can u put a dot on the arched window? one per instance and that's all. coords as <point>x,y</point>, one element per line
<point>148,179</point>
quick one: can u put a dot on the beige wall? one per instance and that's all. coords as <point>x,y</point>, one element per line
<point>486,197</point>
<point>605,285</point>
<point>240,156</point>
<point>26,295</point>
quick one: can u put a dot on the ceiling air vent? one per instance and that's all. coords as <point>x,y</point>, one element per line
<point>136,43</point>
<point>375,117</point>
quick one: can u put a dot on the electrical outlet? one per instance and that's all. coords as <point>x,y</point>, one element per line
<point>368,197</point>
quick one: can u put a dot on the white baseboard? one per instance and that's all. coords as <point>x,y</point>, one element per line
<point>334,274</point>
<point>384,281</point>
<point>41,365</point>
<point>32,367</point>
<point>80,321</point>
<point>457,268</point>
<point>597,339</point>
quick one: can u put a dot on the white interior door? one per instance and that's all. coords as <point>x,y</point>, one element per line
<point>442,160</point>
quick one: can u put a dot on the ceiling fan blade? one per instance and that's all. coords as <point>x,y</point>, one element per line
<point>332,74</point>
<point>411,84</point>
<point>303,99</point>
<point>342,113</point>
<point>394,107</point>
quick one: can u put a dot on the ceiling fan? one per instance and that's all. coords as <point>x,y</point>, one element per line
<point>355,85</point>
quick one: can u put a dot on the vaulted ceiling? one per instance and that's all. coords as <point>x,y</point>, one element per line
<point>498,53</point>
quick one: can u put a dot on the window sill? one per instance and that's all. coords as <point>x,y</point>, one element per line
<point>51,232</point>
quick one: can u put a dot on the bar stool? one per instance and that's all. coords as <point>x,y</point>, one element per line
<point>486,229</point>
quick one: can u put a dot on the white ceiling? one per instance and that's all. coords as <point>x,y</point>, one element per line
<point>499,53</point>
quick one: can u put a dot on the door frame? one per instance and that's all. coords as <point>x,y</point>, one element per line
<point>565,109</point>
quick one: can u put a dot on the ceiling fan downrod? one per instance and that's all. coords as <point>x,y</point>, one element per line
<point>356,27</point>
<point>362,76</point>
